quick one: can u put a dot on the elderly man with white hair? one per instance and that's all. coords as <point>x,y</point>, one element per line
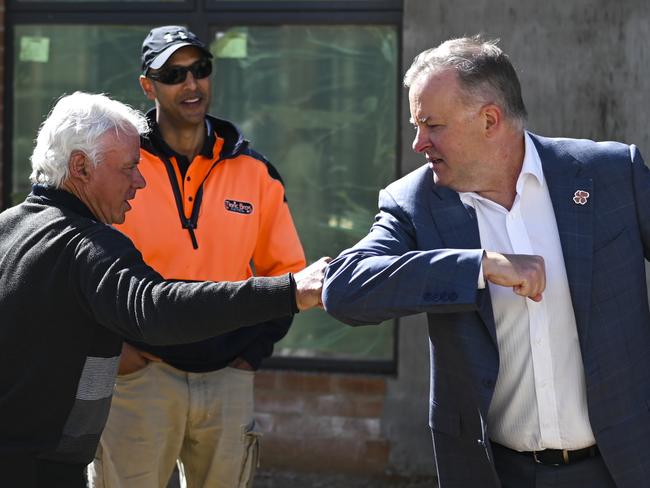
<point>71,287</point>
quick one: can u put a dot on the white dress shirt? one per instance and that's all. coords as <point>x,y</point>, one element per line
<point>540,396</point>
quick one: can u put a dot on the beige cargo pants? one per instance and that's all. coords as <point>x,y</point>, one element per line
<point>160,414</point>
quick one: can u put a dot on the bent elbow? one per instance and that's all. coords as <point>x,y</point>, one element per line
<point>344,308</point>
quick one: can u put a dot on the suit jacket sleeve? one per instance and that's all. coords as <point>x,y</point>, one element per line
<point>387,275</point>
<point>641,182</point>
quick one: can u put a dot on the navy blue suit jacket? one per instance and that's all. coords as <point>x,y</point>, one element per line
<point>423,254</point>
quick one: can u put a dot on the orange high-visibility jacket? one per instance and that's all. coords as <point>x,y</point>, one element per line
<point>225,217</point>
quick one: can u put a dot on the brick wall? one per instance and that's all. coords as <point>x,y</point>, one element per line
<point>321,422</point>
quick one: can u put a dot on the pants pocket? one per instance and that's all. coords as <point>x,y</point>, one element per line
<point>134,375</point>
<point>250,462</point>
<point>95,470</point>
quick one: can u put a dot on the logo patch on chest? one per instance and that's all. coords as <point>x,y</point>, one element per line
<point>238,207</point>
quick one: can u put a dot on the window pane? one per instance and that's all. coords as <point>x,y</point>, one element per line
<point>51,60</point>
<point>319,102</point>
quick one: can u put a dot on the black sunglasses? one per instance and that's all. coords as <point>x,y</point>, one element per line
<point>177,74</point>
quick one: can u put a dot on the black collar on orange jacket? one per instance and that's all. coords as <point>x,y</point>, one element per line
<point>233,141</point>
<point>234,144</point>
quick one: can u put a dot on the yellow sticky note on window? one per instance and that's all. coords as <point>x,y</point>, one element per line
<point>231,45</point>
<point>34,49</point>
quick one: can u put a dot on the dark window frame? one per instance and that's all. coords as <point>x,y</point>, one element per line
<point>214,5</point>
<point>202,16</point>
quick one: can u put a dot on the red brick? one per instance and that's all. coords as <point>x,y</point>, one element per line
<point>361,384</point>
<point>265,380</point>
<point>369,407</point>
<point>278,453</point>
<point>270,401</point>
<point>305,454</point>
<point>377,452</point>
<point>303,382</point>
<point>322,426</point>
<point>346,405</point>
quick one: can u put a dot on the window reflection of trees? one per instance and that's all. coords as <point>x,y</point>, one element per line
<point>320,103</point>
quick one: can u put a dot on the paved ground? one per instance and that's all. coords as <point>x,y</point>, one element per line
<point>275,479</point>
<point>283,479</point>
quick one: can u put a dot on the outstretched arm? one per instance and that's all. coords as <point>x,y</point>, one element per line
<point>130,298</point>
<point>386,276</point>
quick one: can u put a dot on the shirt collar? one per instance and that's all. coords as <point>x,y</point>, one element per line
<point>532,164</point>
<point>55,197</point>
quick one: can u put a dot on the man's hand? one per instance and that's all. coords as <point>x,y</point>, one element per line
<point>524,273</point>
<point>241,363</point>
<point>133,359</point>
<point>309,284</point>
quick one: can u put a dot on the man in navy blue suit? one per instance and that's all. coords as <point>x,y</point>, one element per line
<point>527,254</point>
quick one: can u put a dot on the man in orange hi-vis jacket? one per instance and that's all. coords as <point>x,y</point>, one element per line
<point>213,209</point>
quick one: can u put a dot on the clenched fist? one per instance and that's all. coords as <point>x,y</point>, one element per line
<point>309,284</point>
<point>526,274</point>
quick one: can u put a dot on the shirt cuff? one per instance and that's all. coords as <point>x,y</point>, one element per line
<point>294,303</point>
<point>480,285</point>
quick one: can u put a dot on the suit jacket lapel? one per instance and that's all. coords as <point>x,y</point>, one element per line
<point>566,177</point>
<point>458,229</point>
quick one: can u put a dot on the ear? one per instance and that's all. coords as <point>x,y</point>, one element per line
<point>148,87</point>
<point>492,117</point>
<point>79,166</point>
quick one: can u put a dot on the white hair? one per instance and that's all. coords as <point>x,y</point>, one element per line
<point>76,123</point>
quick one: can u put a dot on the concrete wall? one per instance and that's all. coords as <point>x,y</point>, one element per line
<point>584,64</point>
<point>584,67</point>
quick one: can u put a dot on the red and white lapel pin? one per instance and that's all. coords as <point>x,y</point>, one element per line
<point>580,197</point>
